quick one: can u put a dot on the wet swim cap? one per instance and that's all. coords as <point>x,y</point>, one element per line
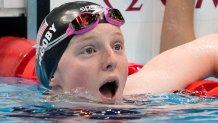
<point>54,25</point>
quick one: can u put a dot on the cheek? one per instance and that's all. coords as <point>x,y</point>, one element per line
<point>124,63</point>
<point>123,66</point>
<point>77,74</point>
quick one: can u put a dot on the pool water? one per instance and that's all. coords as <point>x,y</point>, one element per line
<point>23,100</point>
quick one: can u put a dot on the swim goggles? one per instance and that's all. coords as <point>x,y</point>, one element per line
<point>87,21</point>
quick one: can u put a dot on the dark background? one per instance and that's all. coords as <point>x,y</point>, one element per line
<point>17,26</point>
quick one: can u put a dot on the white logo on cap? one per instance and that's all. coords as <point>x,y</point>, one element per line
<point>94,8</point>
<point>45,43</point>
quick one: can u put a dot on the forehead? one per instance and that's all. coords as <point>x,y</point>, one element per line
<point>102,31</point>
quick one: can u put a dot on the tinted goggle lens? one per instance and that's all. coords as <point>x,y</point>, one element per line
<point>115,15</point>
<point>83,21</point>
<point>86,20</point>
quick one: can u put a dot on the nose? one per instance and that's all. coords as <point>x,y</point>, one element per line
<point>110,60</point>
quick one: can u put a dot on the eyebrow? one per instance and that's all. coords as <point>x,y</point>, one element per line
<point>118,33</point>
<point>82,39</point>
<point>87,38</point>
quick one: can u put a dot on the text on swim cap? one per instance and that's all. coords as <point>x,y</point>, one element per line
<point>45,42</point>
<point>48,34</point>
<point>90,7</point>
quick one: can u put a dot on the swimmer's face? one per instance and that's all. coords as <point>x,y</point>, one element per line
<point>95,63</point>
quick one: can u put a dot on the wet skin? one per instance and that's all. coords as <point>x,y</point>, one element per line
<point>94,62</point>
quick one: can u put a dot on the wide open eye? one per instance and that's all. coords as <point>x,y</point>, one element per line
<point>89,50</point>
<point>117,46</point>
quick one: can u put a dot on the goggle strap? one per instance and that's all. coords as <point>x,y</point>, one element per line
<point>69,30</point>
<point>56,41</point>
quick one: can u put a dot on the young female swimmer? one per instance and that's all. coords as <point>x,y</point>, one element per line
<point>80,46</point>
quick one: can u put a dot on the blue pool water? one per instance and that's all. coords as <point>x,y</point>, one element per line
<point>21,101</point>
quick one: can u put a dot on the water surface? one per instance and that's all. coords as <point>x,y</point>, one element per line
<point>23,100</point>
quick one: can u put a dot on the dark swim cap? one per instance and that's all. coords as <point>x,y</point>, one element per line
<point>54,25</point>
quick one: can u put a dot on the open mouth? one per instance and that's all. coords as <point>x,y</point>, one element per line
<point>109,89</point>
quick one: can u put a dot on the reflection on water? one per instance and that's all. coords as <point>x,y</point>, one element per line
<point>22,101</point>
